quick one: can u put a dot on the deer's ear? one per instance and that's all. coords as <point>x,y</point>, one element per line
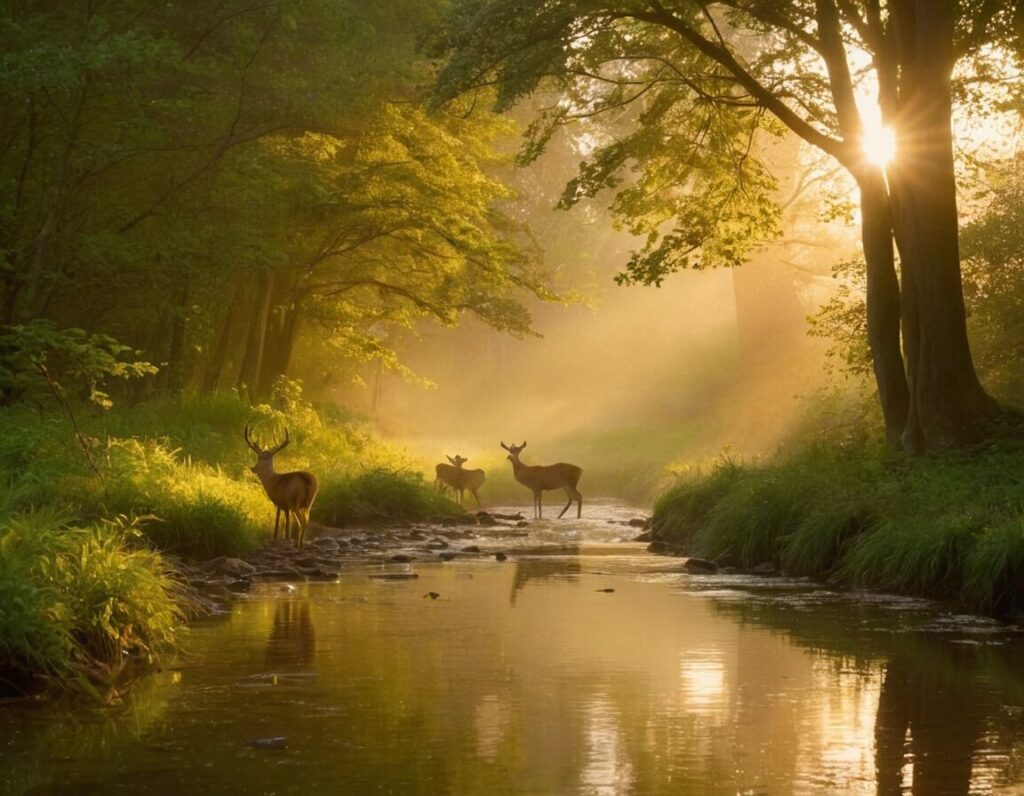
<point>523,445</point>
<point>449,458</point>
<point>504,446</point>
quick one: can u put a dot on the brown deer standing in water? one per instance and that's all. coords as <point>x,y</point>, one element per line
<point>542,478</point>
<point>458,479</point>
<point>292,493</point>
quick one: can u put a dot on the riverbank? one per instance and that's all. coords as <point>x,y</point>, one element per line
<point>945,526</point>
<point>99,529</point>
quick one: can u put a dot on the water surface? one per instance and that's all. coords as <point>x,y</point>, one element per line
<point>530,677</point>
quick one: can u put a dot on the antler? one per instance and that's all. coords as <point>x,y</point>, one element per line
<point>276,448</point>
<point>249,442</point>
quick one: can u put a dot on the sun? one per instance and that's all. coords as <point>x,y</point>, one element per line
<point>879,144</point>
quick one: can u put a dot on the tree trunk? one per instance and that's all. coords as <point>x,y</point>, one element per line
<point>252,361</point>
<point>218,357</point>
<point>947,403</point>
<point>883,305</point>
<point>280,340</point>
<point>176,354</point>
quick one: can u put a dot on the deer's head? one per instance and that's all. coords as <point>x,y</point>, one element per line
<point>264,456</point>
<point>458,461</point>
<point>513,451</point>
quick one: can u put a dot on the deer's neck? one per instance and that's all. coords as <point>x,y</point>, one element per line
<point>517,469</point>
<point>268,476</point>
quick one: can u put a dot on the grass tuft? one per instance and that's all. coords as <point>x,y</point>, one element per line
<point>946,526</point>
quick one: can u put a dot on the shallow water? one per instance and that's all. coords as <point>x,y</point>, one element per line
<point>530,677</point>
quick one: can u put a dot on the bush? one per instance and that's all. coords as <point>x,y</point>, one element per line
<point>379,495</point>
<point>78,604</point>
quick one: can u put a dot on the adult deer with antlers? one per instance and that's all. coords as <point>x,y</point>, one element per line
<point>292,493</point>
<point>542,478</point>
<point>458,479</point>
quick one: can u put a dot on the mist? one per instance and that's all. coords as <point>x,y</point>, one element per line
<point>635,384</point>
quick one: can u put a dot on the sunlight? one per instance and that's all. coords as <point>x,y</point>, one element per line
<point>879,144</point>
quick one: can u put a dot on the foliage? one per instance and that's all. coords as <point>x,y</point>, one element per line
<point>379,495</point>
<point>657,125</point>
<point>74,358</point>
<point>947,525</point>
<point>78,603</point>
<point>173,171</point>
<point>993,250</point>
<point>993,272</point>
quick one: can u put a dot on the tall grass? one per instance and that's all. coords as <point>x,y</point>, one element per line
<point>181,466</point>
<point>947,525</point>
<point>77,603</point>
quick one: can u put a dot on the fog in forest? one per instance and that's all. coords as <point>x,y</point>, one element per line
<point>714,361</point>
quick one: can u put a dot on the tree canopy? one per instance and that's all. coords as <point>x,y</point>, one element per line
<point>195,179</point>
<point>695,85</point>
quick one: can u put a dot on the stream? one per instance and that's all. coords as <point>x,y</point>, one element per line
<point>581,665</point>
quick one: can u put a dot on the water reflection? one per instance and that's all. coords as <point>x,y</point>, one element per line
<point>931,718</point>
<point>565,689</point>
<point>292,639</point>
<point>564,565</point>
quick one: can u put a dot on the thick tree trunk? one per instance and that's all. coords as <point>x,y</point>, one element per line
<point>252,360</point>
<point>947,403</point>
<point>883,305</point>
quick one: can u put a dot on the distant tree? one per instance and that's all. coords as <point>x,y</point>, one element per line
<point>700,82</point>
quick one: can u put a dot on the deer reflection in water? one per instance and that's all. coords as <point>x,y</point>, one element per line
<point>566,564</point>
<point>292,639</point>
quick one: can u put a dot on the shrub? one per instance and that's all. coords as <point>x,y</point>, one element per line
<point>78,603</point>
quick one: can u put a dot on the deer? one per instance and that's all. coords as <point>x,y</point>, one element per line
<point>292,493</point>
<point>542,478</point>
<point>458,479</point>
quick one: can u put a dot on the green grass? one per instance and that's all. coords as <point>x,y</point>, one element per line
<point>77,604</point>
<point>948,526</point>
<point>379,496</point>
<point>181,466</point>
<point>83,587</point>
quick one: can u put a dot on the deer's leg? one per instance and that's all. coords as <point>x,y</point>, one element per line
<point>277,521</point>
<point>571,498</point>
<point>301,521</point>
<point>287,524</point>
<point>538,498</point>
<point>461,492</point>
<point>476,497</point>
<point>579,504</point>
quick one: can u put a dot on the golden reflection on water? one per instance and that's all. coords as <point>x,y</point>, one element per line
<point>531,679</point>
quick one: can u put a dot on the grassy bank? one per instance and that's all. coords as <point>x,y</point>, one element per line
<point>945,526</point>
<point>83,586</point>
<point>181,467</point>
<point>81,607</point>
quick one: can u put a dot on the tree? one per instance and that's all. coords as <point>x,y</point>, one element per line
<point>701,81</point>
<point>210,182</point>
